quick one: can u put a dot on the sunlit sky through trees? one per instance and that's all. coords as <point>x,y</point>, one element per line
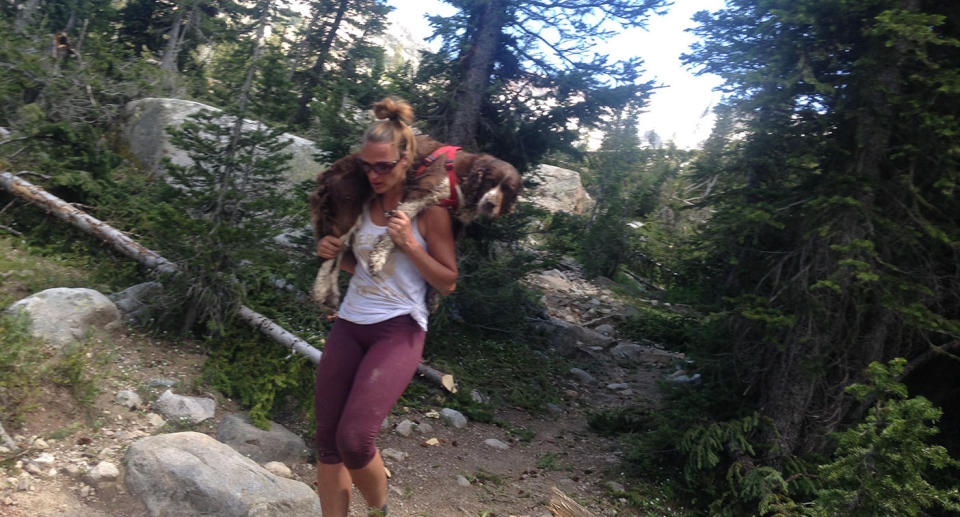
<point>679,111</point>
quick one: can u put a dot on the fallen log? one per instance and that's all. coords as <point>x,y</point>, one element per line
<point>132,249</point>
<point>561,505</point>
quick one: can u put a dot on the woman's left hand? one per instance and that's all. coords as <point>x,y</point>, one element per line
<point>400,231</point>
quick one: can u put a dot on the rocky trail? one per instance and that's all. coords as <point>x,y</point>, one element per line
<point>120,456</point>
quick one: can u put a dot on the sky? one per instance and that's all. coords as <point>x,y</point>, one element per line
<point>679,111</point>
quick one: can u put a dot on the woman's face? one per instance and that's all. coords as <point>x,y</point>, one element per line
<point>384,166</point>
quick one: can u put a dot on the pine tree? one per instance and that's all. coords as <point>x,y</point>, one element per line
<point>500,83</point>
<point>835,241</point>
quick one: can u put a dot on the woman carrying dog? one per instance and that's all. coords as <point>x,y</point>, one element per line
<point>375,345</point>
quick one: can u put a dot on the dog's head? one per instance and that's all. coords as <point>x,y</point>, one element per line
<point>494,185</point>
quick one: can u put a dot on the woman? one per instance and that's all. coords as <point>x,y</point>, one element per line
<point>374,347</point>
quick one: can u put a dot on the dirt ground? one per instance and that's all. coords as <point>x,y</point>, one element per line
<point>563,452</point>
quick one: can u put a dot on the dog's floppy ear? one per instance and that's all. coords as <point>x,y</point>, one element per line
<point>341,191</point>
<point>510,184</point>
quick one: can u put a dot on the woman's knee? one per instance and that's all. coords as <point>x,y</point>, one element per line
<point>356,447</point>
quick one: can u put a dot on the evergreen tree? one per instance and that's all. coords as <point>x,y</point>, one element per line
<point>521,78</point>
<point>835,242</point>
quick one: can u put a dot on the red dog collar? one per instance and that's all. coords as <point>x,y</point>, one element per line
<point>451,151</point>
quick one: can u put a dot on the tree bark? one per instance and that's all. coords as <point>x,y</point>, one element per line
<point>130,248</point>
<point>302,116</point>
<point>26,14</point>
<point>478,63</point>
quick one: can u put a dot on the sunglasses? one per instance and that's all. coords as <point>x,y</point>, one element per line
<point>380,168</point>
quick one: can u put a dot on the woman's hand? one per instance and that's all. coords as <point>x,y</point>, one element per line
<point>400,231</point>
<point>329,246</point>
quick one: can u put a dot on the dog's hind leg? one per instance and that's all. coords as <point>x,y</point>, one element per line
<point>325,291</point>
<point>383,246</point>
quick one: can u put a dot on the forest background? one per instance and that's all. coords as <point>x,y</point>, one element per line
<point>816,233</point>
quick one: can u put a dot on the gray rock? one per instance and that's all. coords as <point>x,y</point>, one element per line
<point>606,329</point>
<point>161,383</point>
<point>193,474</point>
<point>404,428</point>
<point>463,481</point>
<point>32,468</point>
<point>45,460</point>
<point>613,486</point>
<point>393,454</point>
<point>424,428</point>
<point>496,444</point>
<point>191,409</point>
<point>64,315</point>
<point>135,303</point>
<point>128,399</point>
<point>103,472</point>
<point>567,337</point>
<point>554,409</point>
<point>583,376</point>
<point>628,352</point>
<point>275,444</point>
<point>478,397</point>
<point>681,378</point>
<point>453,417</point>
<point>145,133</point>
<point>155,420</point>
<point>560,190</point>
<point>617,386</point>
<point>278,469</point>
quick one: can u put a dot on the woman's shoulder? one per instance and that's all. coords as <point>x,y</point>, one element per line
<point>435,218</point>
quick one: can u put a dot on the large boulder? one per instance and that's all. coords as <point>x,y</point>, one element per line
<point>194,474</point>
<point>262,446</point>
<point>145,133</point>
<point>63,315</point>
<point>136,303</point>
<point>560,190</point>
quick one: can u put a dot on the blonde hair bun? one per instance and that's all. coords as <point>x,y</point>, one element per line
<point>393,109</point>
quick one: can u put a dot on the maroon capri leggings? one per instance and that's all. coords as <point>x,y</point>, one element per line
<point>361,375</point>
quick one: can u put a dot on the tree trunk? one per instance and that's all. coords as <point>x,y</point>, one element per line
<point>302,116</point>
<point>130,248</point>
<point>478,63</point>
<point>26,15</point>
<point>168,64</point>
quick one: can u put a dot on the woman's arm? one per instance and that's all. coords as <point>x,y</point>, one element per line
<point>439,265</point>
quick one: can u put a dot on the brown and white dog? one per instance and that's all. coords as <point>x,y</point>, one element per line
<point>482,185</point>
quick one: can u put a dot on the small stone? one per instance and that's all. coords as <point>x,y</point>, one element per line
<point>278,469</point>
<point>429,442</point>
<point>72,470</point>
<point>606,329</point>
<point>39,443</point>
<point>161,383</point>
<point>24,482</point>
<point>84,491</point>
<point>583,376</point>
<point>617,386</point>
<point>44,460</point>
<point>103,472</point>
<point>52,473</point>
<point>424,428</point>
<point>8,501</point>
<point>32,469</point>
<point>393,454</point>
<point>385,424</point>
<point>478,397</point>
<point>496,444</point>
<point>453,417</point>
<point>554,409</point>
<point>128,399</point>
<point>396,490</point>
<point>155,420</point>
<point>571,394</point>
<point>4,450</point>
<point>404,428</point>
<point>432,414</point>
<point>463,481</point>
<point>626,392</point>
<point>613,486</point>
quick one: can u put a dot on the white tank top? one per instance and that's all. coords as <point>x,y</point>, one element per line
<point>401,289</point>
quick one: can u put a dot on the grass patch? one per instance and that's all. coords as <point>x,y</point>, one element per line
<point>21,357</point>
<point>79,368</point>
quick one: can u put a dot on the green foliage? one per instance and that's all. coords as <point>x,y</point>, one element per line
<point>675,331</point>
<point>21,357</point>
<point>619,420</point>
<point>79,367</point>
<point>883,465</point>
<point>260,375</point>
